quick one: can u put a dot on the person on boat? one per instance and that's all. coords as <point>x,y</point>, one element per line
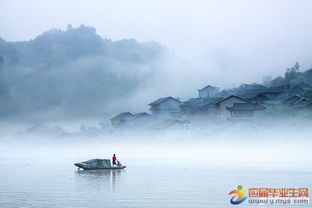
<point>118,163</point>
<point>114,160</point>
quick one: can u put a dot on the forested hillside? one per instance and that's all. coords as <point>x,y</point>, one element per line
<point>74,72</point>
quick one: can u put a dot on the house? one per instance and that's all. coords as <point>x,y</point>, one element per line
<point>292,99</point>
<point>263,95</point>
<point>302,104</point>
<point>222,105</point>
<point>248,91</point>
<point>296,90</point>
<point>273,96</point>
<point>142,117</point>
<point>189,106</point>
<point>209,108</point>
<point>198,108</point>
<point>208,92</point>
<point>244,110</point>
<point>260,98</point>
<point>224,93</point>
<point>248,88</point>
<point>140,120</point>
<point>211,104</point>
<point>167,107</point>
<point>120,119</point>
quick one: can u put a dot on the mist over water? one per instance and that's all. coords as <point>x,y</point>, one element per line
<point>163,169</point>
<point>241,143</point>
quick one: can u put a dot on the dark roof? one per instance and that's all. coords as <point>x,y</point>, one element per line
<point>247,91</point>
<point>279,78</point>
<point>138,115</point>
<point>122,115</point>
<point>206,101</point>
<point>230,97</point>
<point>160,100</point>
<point>208,86</point>
<point>292,99</point>
<point>296,90</point>
<point>200,102</point>
<point>260,96</point>
<point>302,103</point>
<point>246,107</point>
<point>224,93</point>
<point>271,93</point>
<point>252,87</point>
<point>190,102</point>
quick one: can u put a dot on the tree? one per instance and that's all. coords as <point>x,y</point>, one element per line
<point>296,67</point>
<point>292,73</point>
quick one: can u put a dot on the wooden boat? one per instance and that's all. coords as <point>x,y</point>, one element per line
<point>98,164</point>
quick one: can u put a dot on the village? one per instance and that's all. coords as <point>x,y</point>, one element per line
<point>244,103</point>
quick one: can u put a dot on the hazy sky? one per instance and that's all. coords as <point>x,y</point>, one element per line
<point>248,38</point>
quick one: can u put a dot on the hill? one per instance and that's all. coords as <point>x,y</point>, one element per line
<point>74,72</point>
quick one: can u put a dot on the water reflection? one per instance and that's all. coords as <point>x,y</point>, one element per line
<point>94,173</point>
<point>99,178</point>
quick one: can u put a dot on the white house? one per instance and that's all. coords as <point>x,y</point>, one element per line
<point>224,103</point>
<point>167,107</point>
<point>208,92</point>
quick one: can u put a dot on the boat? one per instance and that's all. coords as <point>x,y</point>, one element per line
<point>98,164</point>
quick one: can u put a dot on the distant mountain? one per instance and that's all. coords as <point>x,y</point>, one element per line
<point>74,72</point>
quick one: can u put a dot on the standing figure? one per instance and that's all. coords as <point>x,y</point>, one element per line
<point>114,160</point>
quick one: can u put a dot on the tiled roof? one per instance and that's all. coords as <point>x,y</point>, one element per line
<point>138,115</point>
<point>158,101</point>
<point>200,102</point>
<point>190,102</point>
<point>208,86</point>
<point>292,99</point>
<point>122,115</point>
<point>302,103</point>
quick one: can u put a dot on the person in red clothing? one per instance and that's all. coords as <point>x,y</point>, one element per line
<point>114,160</point>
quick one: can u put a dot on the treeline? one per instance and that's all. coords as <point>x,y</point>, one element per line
<point>74,72</point>
<point>292,76</point>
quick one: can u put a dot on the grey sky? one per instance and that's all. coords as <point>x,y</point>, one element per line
<point>248,38</point>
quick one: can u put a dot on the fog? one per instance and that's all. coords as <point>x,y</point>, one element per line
<point>68,67</point>
<point>130,53</point>
<point>279,144</point>
<point>247,39</point>
<point>223,43</point>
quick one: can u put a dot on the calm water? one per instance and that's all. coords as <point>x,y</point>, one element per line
<point>55,182</point>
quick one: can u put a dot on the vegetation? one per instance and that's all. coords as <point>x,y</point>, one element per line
<point>73,71</point>
<point>78,73</point>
